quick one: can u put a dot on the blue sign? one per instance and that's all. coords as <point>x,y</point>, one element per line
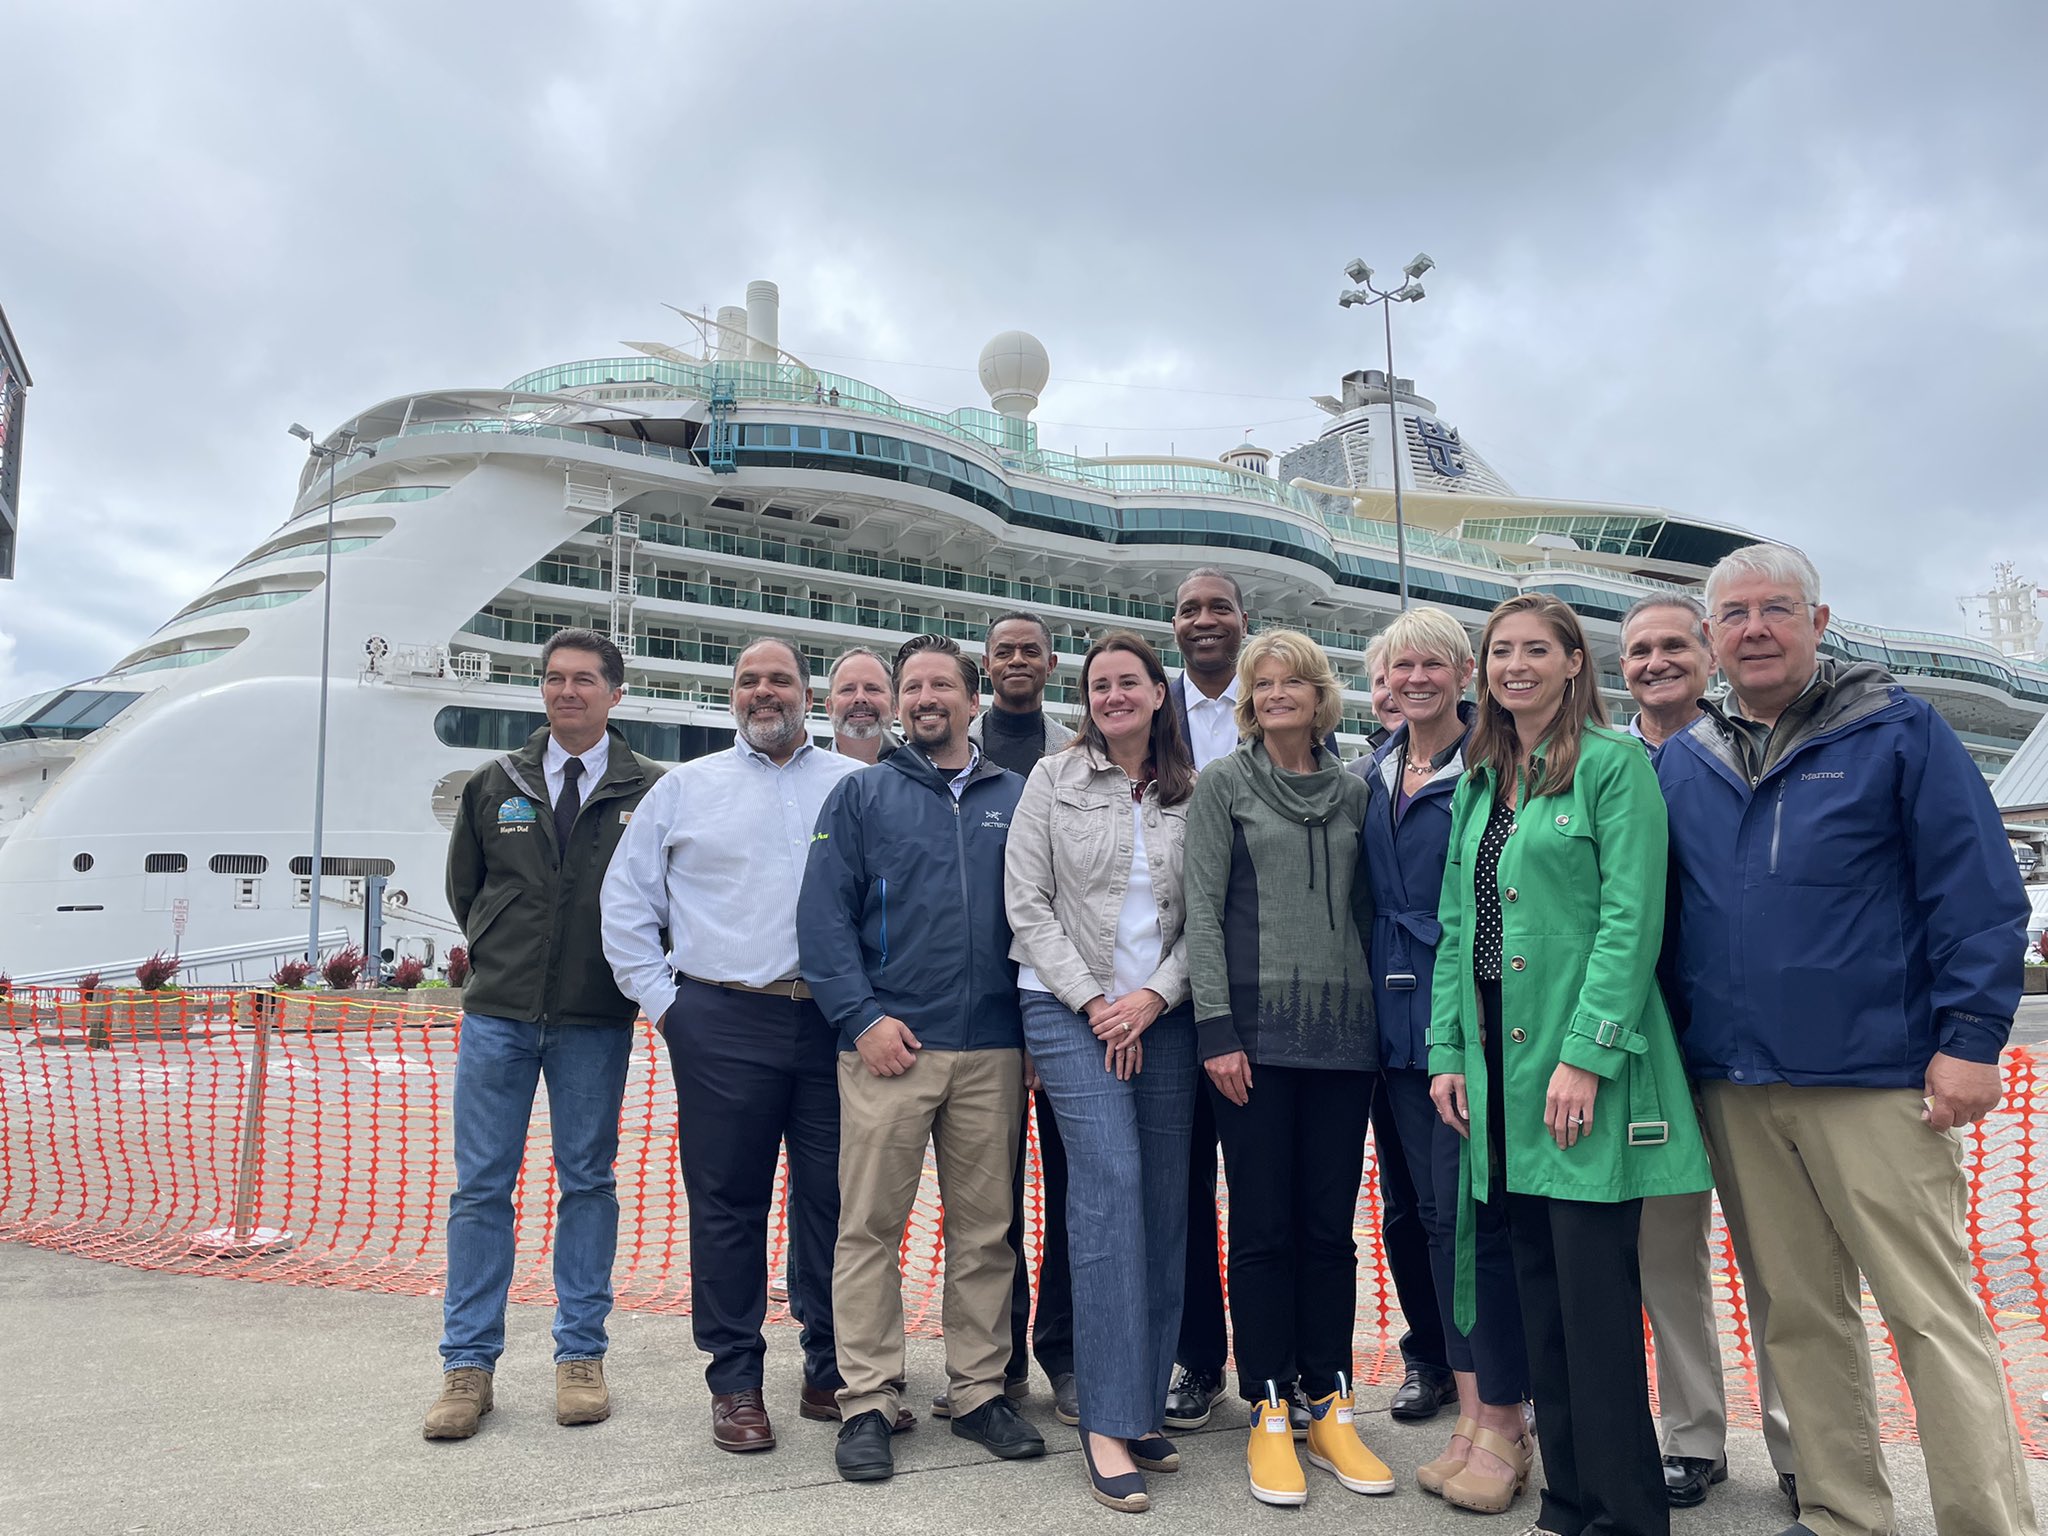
<point>1442,445</point>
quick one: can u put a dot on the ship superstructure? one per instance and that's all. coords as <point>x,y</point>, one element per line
<point>684,501</point>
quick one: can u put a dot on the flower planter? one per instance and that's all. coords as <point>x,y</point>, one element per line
<point>363,1008</point>
<point>2034,981</point>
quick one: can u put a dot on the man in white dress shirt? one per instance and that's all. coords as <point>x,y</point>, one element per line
<point>717,858</point>
<point>1209,626</point>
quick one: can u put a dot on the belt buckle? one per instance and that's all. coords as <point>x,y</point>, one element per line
<point>1648,1133</point>
<point>1401,981</point>
<point>1606,1035</point>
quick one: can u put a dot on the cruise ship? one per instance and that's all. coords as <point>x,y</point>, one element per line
<point>683,499</point>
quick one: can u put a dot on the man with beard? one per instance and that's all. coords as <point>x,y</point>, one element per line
<point>1015,732</point>
<point>717,860</point>
<point>904,937</point>
<point>860,701</point>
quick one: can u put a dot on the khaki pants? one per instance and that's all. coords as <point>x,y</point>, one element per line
<point>969,1105</point>
<point>1823,1183</point>
<point>1678,1293</point>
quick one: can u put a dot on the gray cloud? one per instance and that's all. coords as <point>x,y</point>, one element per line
<point>1772,265</point>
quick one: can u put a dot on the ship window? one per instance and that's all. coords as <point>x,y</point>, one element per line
<point>302,891</point>
<point>83,863</point>
<point>353,868</point>
<point>248,892</point>
<point>66,716</point>
<point>164,864</point>
<point>238,864</point>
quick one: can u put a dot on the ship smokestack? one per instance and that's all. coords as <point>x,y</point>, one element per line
<point>764,326</point>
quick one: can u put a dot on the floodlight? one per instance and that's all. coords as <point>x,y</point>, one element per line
<point>1419,265</point>
<point>1358,271</point>
<point>301,433</point>
<point>1408,293</point>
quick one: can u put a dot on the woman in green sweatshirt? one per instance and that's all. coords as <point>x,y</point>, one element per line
<point>1278,918</point>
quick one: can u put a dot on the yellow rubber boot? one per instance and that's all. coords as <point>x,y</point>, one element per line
<point>1275,1470</point>
<point>1333,1444</point>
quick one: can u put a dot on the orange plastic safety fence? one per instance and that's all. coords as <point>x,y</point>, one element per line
<point>307,1138</point>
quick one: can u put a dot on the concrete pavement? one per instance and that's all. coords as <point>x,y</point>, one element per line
<point>143,1402</point>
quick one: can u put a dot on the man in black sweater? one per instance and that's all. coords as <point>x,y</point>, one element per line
<point>1014,732</point>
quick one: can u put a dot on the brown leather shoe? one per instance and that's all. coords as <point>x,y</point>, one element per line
<point>823,1403</point>
<point>739,1421</point>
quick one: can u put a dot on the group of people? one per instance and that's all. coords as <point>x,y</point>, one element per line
<point>1569,978</point>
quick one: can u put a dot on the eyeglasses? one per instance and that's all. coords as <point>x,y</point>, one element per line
<point>1775,615</point>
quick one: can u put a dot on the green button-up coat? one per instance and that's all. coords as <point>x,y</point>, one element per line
<point>1582,919</point>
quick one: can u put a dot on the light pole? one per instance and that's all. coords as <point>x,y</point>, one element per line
<point>1368,294</point>
<point>340,447</point>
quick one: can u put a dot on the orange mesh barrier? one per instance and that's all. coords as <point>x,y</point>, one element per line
<point>133,1130</point>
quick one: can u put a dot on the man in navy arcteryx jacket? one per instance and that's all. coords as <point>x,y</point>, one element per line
<point>904,940</point>
<point>1844,965</point>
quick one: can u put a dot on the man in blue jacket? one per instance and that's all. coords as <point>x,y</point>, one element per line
<point>1846,962</point>
<point>905,944</point>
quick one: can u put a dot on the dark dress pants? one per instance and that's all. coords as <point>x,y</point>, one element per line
<point>1295,1153</point>
<point>1404,1237</point>
<point>1203,1339</point>
<point>753,1073</point>
<point>1052,1332</point>
<point>1494,1350</point>
<point>1582,1313</point>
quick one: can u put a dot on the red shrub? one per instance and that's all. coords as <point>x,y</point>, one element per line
<point>407,974</point>
<point>157,972</point>
<point>291,975</point>
<point>458,966</point>
<point>88,984</point>
<point>342,969</point>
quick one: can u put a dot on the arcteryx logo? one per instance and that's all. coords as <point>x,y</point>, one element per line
<point>1823,774</point>
<point>995,821</point>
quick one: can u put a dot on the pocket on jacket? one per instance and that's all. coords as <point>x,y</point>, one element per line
<point>1838,1011</point>
<point>489,908</point>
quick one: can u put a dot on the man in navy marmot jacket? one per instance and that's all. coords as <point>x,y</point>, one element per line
<point>1845,965</point>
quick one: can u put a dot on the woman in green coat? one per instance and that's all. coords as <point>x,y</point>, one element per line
<point>1548,1039</point>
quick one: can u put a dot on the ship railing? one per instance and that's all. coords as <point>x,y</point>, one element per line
<point>236,958</point>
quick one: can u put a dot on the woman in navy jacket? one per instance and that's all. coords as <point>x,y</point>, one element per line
<point>1407,836</point>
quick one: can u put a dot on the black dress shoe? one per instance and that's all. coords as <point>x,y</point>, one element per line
<point>1066,1398</point>
<point>1192,1398</point>
<point>863,1454</point>
<point>1000,1429</point>
<point>1687,1479</point>
<point>1788,1485</point>
<point>1423,1395</point>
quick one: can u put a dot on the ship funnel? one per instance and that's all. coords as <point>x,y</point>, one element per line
<point>732,334</point>
<point>764,324</point>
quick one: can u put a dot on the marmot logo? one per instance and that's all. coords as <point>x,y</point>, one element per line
<point>1823,775</point>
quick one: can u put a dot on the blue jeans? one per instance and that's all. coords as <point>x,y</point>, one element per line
<point>497,1067</point>
<point>1127,1206</point>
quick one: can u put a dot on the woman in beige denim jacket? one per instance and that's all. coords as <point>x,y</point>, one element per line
<point>1092,881</point>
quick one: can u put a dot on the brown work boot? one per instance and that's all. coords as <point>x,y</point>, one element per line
<point>465,1398</point>
<point>580,1395</point>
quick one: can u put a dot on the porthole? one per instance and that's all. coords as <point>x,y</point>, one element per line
<point>83,863</point>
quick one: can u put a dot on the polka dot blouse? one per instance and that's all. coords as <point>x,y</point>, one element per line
<point>1486,939</point>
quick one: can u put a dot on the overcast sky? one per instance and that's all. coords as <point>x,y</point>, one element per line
<point>1775,265</point>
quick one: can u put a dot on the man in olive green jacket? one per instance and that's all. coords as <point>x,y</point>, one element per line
<point>533,838</point>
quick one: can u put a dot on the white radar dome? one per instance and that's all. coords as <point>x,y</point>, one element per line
<point>1014,369</point>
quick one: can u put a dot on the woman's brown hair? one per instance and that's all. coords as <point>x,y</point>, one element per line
<point>1172,764</point>
<point>1494,746</point>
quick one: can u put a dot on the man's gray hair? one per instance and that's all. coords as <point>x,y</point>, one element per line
<point>1375,656</point>
<point>1679,600</point>
<point>1773,562</point>
<point>832,677</point>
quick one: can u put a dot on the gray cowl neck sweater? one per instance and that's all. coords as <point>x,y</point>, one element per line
<point>1279,913</point>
